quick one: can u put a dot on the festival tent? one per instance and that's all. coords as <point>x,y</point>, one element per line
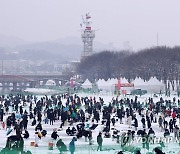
<point>124,80</point>
<point>102,84</point>
<point>87,84</point>
<point>127,89</point>
<point>154,85</point>
<point>112,81</point>
<point>140,84</point>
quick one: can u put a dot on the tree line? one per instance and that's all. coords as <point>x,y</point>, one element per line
<point>161,62</point>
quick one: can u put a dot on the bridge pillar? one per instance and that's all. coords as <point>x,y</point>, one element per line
<point>14,85</point>
<point>63,82</point>
<point>44,82</point>
<point>8,86</point>
<point>57,82</point>
<point>32,84</point>
<point>3,86</point>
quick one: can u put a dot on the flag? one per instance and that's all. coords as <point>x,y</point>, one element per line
<point>88,16</point>
<point>88,28</point>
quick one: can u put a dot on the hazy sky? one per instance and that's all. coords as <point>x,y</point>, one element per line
<point>118,21</point>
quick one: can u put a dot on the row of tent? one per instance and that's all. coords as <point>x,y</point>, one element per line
<point>153,85</point>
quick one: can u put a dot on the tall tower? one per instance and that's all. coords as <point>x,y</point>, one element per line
<point>87,35</point>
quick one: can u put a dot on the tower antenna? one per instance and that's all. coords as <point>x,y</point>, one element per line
<point>87,35</point>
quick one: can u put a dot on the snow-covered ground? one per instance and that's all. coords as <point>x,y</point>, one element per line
<point>82,147</point>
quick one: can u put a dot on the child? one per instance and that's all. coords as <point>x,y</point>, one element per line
<point>46,120</point>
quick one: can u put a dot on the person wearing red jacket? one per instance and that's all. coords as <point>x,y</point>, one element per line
<point>173,114</point>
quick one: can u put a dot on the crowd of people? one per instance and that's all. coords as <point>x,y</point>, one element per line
<point>80,116</point>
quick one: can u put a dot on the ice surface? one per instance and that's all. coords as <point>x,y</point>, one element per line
<point>82,147</point>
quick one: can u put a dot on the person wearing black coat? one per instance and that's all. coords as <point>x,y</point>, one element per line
<point>44,133</point>
<point>26,134</point>
<point>73,131</point>
<point>8,123</point>
<point>158,151</point>
<point>166,133</point>
<point>25,121</point>
<point>68,131</point>
<point>171,126</point>
<point>51,117</point>
<point>96,116</point>
<point>151,134</point>
<point>135,123</point>
<point>38,127</point>
<point>34,122</point>
<point>113,121</point>
<point>148,122</point>
<point>120,115</point>
<point>54,135</point>
<point>99,141</point>
<point>165,124</point>
<point>108,125</point>
<point>151,131</point>
<point>31,115</point>
<point>21,110</point>
<point>143,122</point>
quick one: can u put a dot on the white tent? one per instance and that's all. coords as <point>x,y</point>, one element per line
<point>87,84</point>
<point>113,81</point>
<point>154,85</point>
<point>101,83</point>
<point>139,83</point>
<point>50,83</point>
<point>124,80</point>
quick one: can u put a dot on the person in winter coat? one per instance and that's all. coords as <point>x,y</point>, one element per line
<point>113,121</point>
<point>135,123</point>
<point>46,120</point>
<point>72,145</point>
<point>38,127</point>
<point>54,135</point>
<point>99,141</point>
<point>68,131</point>
<point>171,126</point>
<point>160,121</point>
<point>129,120</point>
<point>165,124</point>
<point>120,115</point>
<point>61,146</point>
<point>90,137</point>
<point>33,122</point>
<point>31,115</point>
<point>145,141</point>
<point>174,122</point>
<point>26,134</point>
<point>176,131</point>
<point>148,122</point>
<point>151,134</point>
<point>8,123</point>
<point>166,133</point>
<point>51,117</point>
<point>174,115</point>
<point>143,122</point>
<point>96,116</point>
<point>158,151</point>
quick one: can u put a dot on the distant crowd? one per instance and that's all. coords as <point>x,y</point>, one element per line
<point>80,116</point>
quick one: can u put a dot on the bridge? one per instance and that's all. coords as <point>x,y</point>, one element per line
<point>15,82</point>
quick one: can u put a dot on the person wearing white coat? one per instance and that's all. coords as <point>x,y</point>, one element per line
<point>129,121</point>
